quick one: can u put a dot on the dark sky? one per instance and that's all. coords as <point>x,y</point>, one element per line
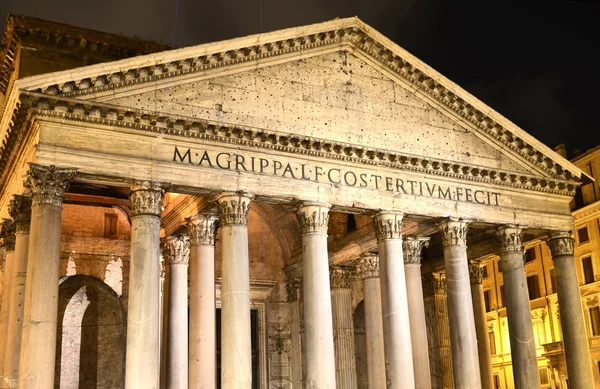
<point>534,62</point>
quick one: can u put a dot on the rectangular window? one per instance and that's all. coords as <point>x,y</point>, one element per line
<point>533,287</point>
<point>553,280</point>
<point>492,343</point>
<point>595,320</point>
<point>583,235</point>
<point>110,225</point>
<point>544,380</point>
<point>588,270</point>
<point>484,271</point>
<point>496,381</point>
<point>486,299</point>
<point>530,255</point>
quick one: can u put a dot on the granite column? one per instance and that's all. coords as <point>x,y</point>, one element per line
<point>318,323</point>
<point>368,265</point>
<point>394,298</point>
<point>203,342</point>
<point>463,337</point>
<point>518,310</point>
<point>236,351</point>
<point>577,351</point>
<point>412,248</point>
<point>143,319</point>
<point>20,210</point>
<point>176,252</point>
<point>40,312</point>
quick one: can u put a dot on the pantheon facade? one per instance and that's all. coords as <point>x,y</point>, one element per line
<point>265,212</point>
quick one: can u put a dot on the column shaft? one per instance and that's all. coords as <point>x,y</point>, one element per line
<point>20,210</point>
<point>203,347</point>
<point>176,251</point>
<point>398,349</point>
<point>463,337</point>
<point>416,305</point>
<point>236,352</point>
<point>293,297</point>
<point>8,242</point>
<point>369,268</point>
<point>143,320</point>
<point>343,329</point>
<point>40,311</point>
<point>483,339</point>
<point>318,323</point>
<point>577,352</point>
<point>440,297</point>
<point>518,310</point>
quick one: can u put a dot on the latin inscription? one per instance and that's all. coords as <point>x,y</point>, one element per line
<point>336,176</point>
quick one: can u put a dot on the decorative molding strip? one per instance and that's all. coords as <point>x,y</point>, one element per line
<point>412,248</point>
<point>313,217</point>
<point>19,209</point>
<point>561,243</point>
<point>454,232</point>
<point>387,225</point>
<point>146,198</point>
<point>352,36</point>
<point>176,250</point>
<point>202,229</point>
<point>206,130</point>
<point>48,183</point>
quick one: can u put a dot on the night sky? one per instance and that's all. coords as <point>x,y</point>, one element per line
<point>534,63</point>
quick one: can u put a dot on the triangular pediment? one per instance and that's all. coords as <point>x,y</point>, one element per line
<point>338,81</point>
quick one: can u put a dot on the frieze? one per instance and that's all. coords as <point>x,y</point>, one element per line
<point>454,232</point>
<point>202,229</point>
<point>368,265</point>
<point>48,183</point>
<point>387,225</point>
<point>313,217</point>
<point>7,234</point>
<point>353,36</point>
<point>561,244</point>
<point>176,250</point>
<point>412,248</point>
<point>233,208</point>
<point>509,239</point>
<point>19,209</point>
<point>206,130</point>
<point>146,198</point>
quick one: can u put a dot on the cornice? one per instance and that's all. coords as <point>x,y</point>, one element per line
<point>205,130</point>
<point>350,33</point>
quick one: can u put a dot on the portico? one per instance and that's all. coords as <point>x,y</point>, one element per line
<point>280,136</point>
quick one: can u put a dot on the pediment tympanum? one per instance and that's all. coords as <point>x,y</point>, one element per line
<point>321,109</point>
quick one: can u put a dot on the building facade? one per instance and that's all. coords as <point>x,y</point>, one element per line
<point>254,213</point>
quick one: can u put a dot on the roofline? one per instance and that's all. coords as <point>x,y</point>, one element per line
<point>45,80</point>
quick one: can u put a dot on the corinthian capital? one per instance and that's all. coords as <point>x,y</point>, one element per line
<point>176,250</point>
<point>388,225</point>
<point>7,234</point>
<point>146,198</point>
<point>439,282</point>
<point>292,288</point>
<point>313,217</point>
<point>509,239</point>
<point>454,232</point>
<point>412,248</point>
<point>561,243</point>
<point>20,210</point>
<point>202,229</point>
<point>48,183</point>
<point>368,265</point>
<point>234,208</point>
<point>340,277</point>
<point>476,271</point>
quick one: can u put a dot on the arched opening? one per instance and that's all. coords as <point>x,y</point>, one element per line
<point>90,349</point>
<point>360,345</point>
